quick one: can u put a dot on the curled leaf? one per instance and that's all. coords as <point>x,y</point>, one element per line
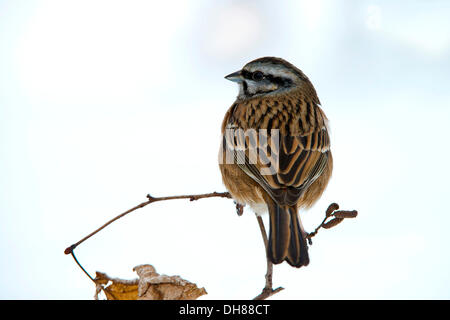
<point>116,289</point>
<point>150,286</point>
<point>153,286</point>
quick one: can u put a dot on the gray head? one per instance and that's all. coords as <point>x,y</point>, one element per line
<point>270,76</point>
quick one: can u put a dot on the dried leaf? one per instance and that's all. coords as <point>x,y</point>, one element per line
<point>150,286</point>
<point>332,207</point>
<point>153,286</point>
<point>118,289</point>
<point>345,214</point>
<point>332,223</point>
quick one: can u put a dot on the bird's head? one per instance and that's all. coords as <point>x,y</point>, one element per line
<point>270,76</point>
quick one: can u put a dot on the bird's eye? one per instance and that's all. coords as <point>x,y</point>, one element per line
<point>257,75</point>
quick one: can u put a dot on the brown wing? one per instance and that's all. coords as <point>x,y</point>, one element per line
<point>301,160</point>
<point>285,170</point>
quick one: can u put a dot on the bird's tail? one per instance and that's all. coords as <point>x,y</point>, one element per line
<point>287,240</point>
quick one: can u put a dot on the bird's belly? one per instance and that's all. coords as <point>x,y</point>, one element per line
<point>242,188</point>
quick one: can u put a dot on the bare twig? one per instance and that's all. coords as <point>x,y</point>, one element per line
<point>151,199</point>
<point>76,260</point>
<point>268,288</point>
<point>335,217</point>
<point>192,197</point>
<point>72,247</point>
<point>331,213</point>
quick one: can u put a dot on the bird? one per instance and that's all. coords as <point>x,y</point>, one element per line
<point>275,151</point>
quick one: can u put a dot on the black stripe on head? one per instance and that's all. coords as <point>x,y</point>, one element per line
<point>247,74</point>
<point>282,82</point>
<point>279,81</point>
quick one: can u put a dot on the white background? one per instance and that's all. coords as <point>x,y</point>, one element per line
<point>102,102</point>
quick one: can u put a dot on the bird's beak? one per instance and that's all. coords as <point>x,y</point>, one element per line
<point>235,76</point>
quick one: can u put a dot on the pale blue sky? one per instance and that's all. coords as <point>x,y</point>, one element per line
<point>102,102</point>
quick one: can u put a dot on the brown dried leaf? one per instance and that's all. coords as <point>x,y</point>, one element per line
<point>332,223</point>
<point>118,289</point>
<point>153,286</point>
<point>345,214</point>
<point>150,286</point>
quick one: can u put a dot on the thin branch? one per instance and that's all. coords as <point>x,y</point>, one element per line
<point>76,260</point>
<point>268,288</point>
<point>331,213</point>
<point>263,231</point>
<point>192,197</point>
<point>72,247</point>
<point>151,199</point>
